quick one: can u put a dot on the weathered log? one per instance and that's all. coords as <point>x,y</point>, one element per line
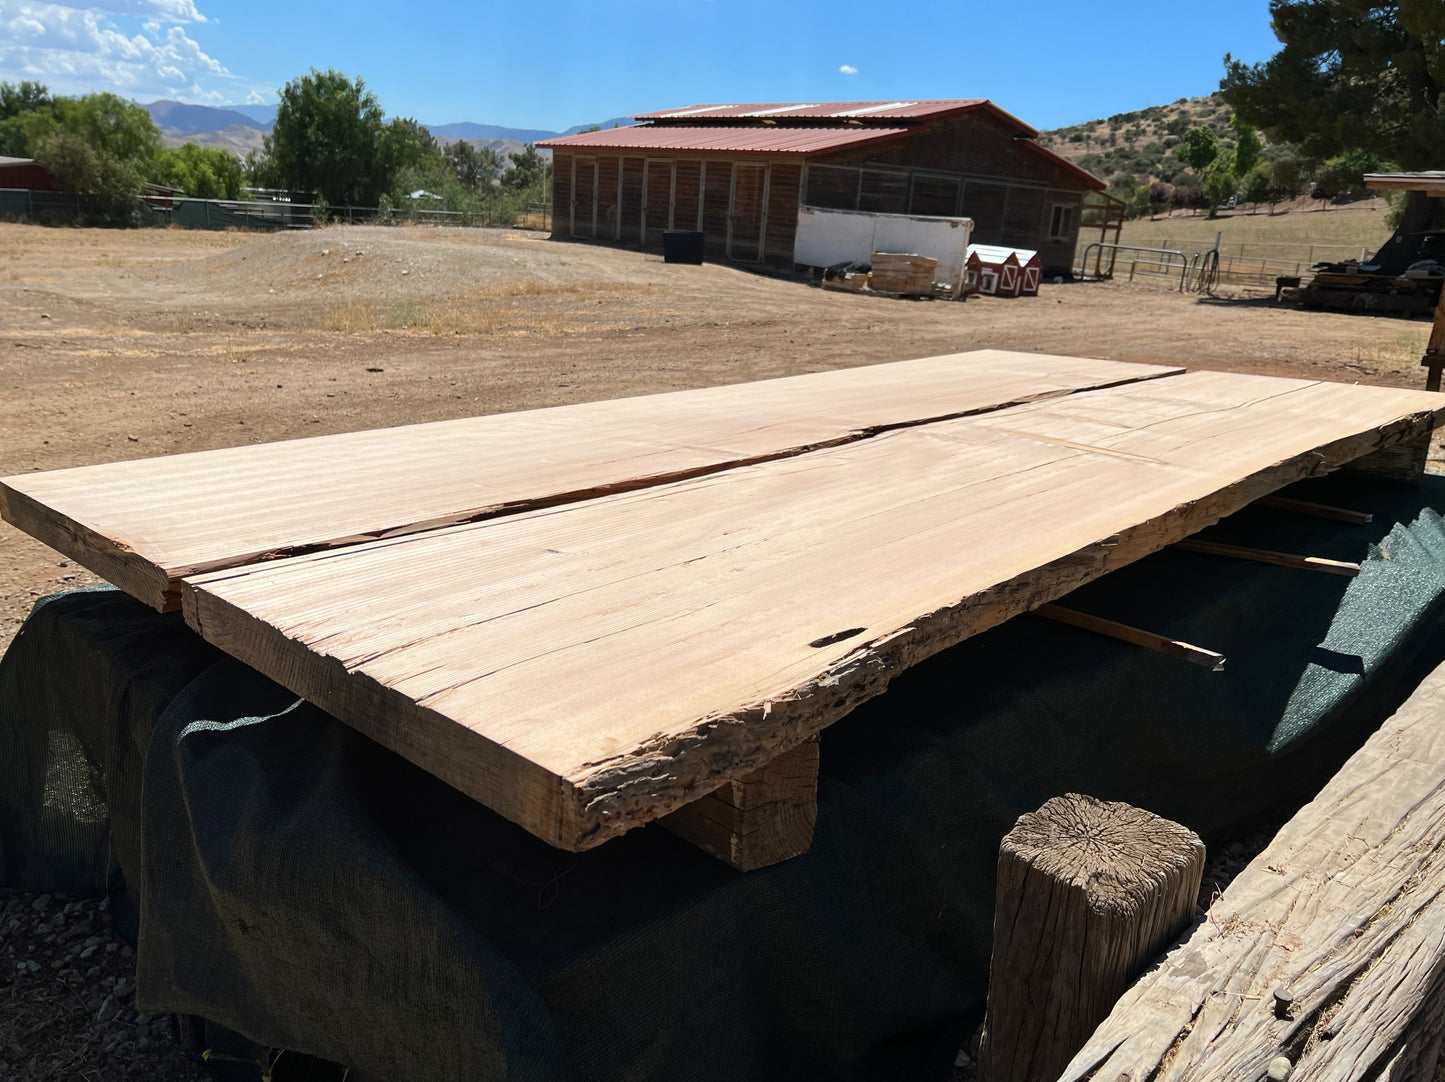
<point>1088,892</point>
<point>1345,909</point>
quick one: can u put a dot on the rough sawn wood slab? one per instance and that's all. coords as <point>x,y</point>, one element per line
<point>143,525</point>
<point>587,668</point>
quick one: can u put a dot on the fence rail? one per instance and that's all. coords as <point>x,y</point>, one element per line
<point>266,214</point>
<point>1240,262</point>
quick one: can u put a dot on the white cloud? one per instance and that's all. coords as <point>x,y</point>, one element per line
<point>138,48</point>
<point>848,69</point>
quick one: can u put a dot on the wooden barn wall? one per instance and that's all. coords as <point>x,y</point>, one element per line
<point>584,196</point>
<point>782,214</point>
<point>637,198</point>
<point>657,207</point>
<point>607,197</point>
<point>686,193</point>
<point>984,149</point>
<point>716,194</point>
<point>632,200</point>
<point>561,194</point>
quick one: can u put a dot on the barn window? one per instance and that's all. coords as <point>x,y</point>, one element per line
<point>1061,222</point>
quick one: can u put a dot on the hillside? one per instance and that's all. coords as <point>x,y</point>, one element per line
<point>1137,144</point>
<point>242,128</point>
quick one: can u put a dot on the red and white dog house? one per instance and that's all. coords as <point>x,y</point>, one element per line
<point>1001,272</point>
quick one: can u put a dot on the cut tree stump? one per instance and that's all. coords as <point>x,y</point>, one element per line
<point>1089,891</point>
<point>763,818</point>
<point>1344,910</point>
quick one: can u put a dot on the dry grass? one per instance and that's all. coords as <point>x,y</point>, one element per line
<point>1359,225</point>
<point>485,309</point>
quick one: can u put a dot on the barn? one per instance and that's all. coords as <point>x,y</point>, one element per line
<point>25,173</point>
<point>740,173</point>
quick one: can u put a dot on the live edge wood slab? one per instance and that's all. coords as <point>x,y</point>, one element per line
<point>586,668</point>
<point>144,525</point>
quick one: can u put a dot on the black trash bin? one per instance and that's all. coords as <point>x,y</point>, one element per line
<point>681,246</point>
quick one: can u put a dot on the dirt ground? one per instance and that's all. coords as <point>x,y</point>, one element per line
<point>124,344</point>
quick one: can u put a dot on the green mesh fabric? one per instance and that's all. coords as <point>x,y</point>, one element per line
<point>309,889</point>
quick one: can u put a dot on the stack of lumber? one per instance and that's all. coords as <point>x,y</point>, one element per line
<point>901,273</point>
<point>588,618</point>
<point>1327,951</point>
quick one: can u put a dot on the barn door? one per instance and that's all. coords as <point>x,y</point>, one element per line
<point>745,220</point>
<point>584,198</point>
<point>657,204</point>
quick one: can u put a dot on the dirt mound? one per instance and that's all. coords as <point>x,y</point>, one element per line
<point>384,264</point>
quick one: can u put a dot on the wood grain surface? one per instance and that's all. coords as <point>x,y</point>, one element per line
<point>143,525</point>
<point>1344,910</point>
<point>587,668</point>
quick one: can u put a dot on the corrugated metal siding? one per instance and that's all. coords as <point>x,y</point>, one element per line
<point>759,139</point>
<point>833,110</point>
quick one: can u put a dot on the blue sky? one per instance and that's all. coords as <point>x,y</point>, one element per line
<point>549,66</point>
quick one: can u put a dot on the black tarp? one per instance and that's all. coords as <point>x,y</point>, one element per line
<point>295,882</point>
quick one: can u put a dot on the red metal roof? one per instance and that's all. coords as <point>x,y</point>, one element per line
<point>754,139</point>
<point>835,110</point>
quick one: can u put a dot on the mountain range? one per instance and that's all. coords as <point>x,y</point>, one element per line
<point>241,128</point>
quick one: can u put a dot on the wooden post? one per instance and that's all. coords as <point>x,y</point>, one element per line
<point>1089,892</point>
<point>1434,358</point>
<point>761,819</point>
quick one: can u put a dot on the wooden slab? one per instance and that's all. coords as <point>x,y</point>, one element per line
<point>587,668</point>
<point>1345,911</point>
<point>144,525</point>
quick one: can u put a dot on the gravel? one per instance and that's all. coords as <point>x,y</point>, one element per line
<point>67,1009</point>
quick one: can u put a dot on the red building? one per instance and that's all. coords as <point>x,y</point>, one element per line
<point>739,173</point>
<point>26,173</point>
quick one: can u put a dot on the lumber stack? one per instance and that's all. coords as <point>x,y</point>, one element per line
<point>590,618</point>
<point>1327,951</point>
<point>902,273</point>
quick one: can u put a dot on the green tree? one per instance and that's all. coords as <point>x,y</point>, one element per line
<point>476,168</point>
<point>97,145</point>
<point>1218,179</point>
<point>202,172</point>
<point>1256,186</point>
<point>113,183</point>
<point>527,171</point>
<point>22,97</point>
<point>1353,75</point>
<point>1247,147</point>
<point>1199,147</point>
<point>327,140</point>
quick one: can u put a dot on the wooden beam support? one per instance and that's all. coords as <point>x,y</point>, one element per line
<point>1265,556</point>
<point>1088,892</point>
<point>1345,910</point>
<point>1317,510</point>
<point>760,819</point>
<point>1401,454</point>
<point>1136,636</point>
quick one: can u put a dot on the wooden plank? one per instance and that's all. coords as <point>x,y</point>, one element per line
<point>1345,909</point>
<point>144,525</point>
<point>587,668</point>
<point>762,818</point>
<point>1136,636</point>
<point>1344,568</point>
<point>1318,510</point>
